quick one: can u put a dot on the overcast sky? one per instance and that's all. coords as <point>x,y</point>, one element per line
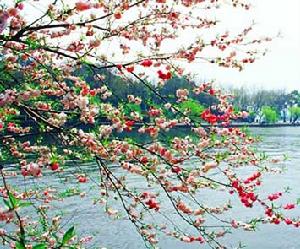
<point>280,68</point>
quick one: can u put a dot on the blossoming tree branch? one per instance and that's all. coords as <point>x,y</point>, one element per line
<point>56,112</point>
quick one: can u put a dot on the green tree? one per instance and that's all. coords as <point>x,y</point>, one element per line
<point>270,114</point>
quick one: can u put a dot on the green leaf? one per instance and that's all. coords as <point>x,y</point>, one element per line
<point>69,192</point>
<point>40,246</point>
<point>25,204</point>
<point>7,204</point>
<point>19,245</point>
<point>13,200</point>
<point>68,235</point>
<point>213,137</point>
<point>285,157</point>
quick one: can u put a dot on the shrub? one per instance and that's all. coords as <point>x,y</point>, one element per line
<point>270,114</point>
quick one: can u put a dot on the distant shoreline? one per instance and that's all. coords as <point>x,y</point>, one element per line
<point>235,125</point>
<point>242,124</point>
<point>257,125</point>
<point>182,125</point>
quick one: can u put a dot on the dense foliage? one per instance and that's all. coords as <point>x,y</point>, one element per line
<point>256,99</point>
<point>269,114</point>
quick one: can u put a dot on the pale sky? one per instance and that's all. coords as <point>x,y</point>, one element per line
<point>280,68</point>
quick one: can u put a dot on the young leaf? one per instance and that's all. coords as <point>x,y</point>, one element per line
<point>7,204</point>
<point>24,204</point>
<point>40,246</point>
<point>19,245</point>
<point>13,200</point>
<point>68,235</point>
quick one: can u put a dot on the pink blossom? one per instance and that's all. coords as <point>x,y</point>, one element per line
<point>3,21</point>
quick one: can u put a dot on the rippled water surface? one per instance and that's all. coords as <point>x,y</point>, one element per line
<point>120,234</point>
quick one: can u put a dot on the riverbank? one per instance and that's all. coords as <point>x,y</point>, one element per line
<point>243,124</point>
<point>73,124</point>
<point>264,125</point>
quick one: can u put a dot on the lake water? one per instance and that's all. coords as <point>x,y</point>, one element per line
<point>120,234</point>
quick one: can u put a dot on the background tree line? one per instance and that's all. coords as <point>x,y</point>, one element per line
<point>270,103</point>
